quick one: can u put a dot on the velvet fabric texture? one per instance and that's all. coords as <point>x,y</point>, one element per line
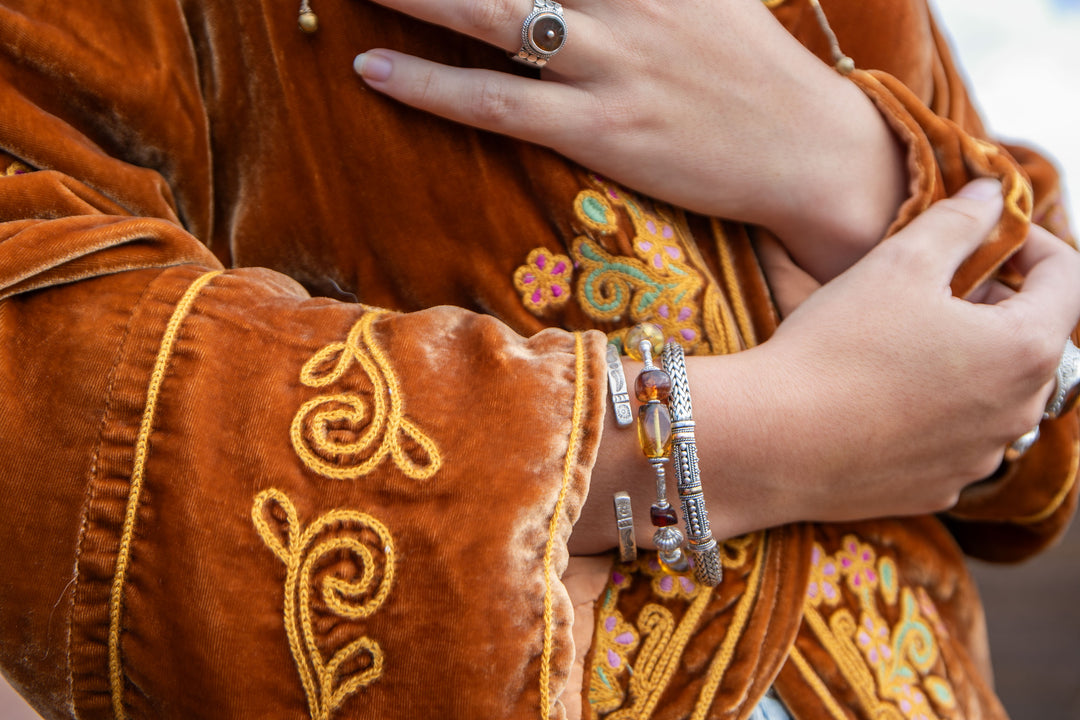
<point>301,390</point>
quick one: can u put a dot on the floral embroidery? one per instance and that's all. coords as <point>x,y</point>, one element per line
<point>614,640</point>
<point>658,284</point>
<point>345,436</point>
<point>890,667</point>
<point>823,578</point>
<point>544,280</point>
<point>632,664</point>
<point>16,168</point>
<point>314,581</point>
<point>857,561</point>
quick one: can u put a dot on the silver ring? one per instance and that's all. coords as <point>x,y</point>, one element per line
<point>1016,449</point>
<point>1067,389</point>
<point>624,522</point>
<point>543,33</point>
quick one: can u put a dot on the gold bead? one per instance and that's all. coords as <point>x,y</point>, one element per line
<point>309,22</point>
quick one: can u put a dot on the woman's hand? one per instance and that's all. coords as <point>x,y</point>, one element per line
<point>881,394</point>
<point>713,106</point>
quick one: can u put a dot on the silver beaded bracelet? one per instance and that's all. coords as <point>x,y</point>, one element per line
<point>703,547</point>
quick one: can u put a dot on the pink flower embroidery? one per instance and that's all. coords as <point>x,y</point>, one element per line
<point>873,639</point>
<point>544,280</point>
<point>857,564</point>
<point>824,578</point>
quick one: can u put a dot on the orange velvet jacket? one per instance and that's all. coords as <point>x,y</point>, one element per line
<point>291,422</point>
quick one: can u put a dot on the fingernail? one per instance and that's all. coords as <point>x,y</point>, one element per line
<point>981,189</point>
<point>372,66</point>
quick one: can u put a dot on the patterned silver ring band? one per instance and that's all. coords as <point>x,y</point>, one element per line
<point>703,547</point>
<point>1067,390</point>
<point>543,33</point>
<point>624,521</point>
<point>1064,400</point>
<point>620,395</point>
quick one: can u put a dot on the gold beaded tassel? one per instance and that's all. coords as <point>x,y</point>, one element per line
<point>309,21</point>
<point>652,387</point>
<point>843,64</point>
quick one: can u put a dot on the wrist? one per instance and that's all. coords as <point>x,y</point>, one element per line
<point>841,177</point>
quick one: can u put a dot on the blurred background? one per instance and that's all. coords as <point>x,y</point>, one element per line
<point>1023,59</point>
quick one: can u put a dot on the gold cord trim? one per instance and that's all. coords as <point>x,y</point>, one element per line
<point>371,547</point>
<point>817,685</point>
<point>659,656</point>
<point>142,450</point>
<point>1059,498</point>
<point>731,279</point>
<point>723,659</point>
<point>553,526</point>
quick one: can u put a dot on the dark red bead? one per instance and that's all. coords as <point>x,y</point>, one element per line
<point>663,517</point>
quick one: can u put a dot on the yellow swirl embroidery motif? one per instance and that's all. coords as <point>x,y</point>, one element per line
<point>324,431</point>
<point>314,562</point>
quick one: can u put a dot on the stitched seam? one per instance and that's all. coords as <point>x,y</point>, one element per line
<point>553,526</point>
<point>88,498</point>
<point>734,634</point>
<point>817,685</point>
<point>142,446</point>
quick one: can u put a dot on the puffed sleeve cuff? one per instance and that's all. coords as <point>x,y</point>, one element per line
<point>1029,503</point>
<point>228,499</point>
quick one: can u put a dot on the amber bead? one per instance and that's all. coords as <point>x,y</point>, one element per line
<point>652,384</point>
<point>675,563</point>
<point>663,516</point>
<point>654,430</point>
<point>644,331</point>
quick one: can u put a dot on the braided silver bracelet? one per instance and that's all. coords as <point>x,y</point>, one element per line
<point>704,549</point>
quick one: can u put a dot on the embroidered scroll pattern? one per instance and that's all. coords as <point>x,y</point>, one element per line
<point>633,663</point>
<point>890,666</point>
<point>665,281</point>
<point>660,284</point>
<point>340,565</point>
<point>345,436</point>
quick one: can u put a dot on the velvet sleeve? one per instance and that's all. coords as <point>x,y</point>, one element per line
<point>922,94</point>
<point>224,498</point>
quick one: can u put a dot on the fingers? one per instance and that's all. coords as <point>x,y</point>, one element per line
<point>521,107</point>
<point>1051,289</point>
<point>938,241</point>
<point>499,23</point>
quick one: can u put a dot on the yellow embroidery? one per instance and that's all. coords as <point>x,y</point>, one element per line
<point>16,168</point>
<point>731,279</point>
<point>142,451</point>
<point>817,685</point>
<point>662,641</point>
<point>319,425</point>
<point>614,641</point>
<point>888,666</point>
<point>328,682</point>
<point>553,525</point>
<point>544,280</point>
<point>723,658</point>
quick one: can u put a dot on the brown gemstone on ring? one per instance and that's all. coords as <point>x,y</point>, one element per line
<point>548,33</point>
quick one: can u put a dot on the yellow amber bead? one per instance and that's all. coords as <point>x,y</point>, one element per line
<point>644,331</point>
<point>654,430</point>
